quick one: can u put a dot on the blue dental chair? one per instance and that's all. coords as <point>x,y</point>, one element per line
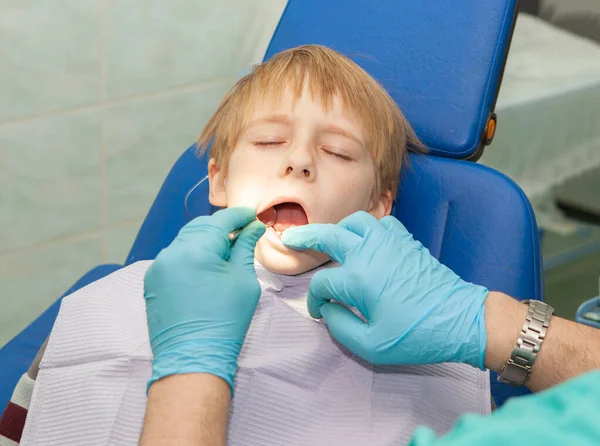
<point>442,62</point>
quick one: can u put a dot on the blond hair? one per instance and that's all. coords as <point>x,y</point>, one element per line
<point>388,135</point>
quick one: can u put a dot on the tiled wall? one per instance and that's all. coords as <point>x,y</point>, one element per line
<point>98,98</point>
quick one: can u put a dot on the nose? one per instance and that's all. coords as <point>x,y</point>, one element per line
<point>299,162</point>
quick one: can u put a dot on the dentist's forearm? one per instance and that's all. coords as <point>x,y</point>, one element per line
<point>568,350</point>
<point>191,409</point>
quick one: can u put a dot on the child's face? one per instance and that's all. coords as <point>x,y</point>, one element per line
<point>300,154</point>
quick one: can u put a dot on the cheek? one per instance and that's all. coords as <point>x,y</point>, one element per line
<point>245,182</point>
<point>349,195</point>
<point>359,188</point>
<point>359,195</point>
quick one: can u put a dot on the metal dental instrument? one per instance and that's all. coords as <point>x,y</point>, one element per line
<point>232,235</point>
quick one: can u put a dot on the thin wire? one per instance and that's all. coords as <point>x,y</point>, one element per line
<point>234,234</point>
<point>187,196</point>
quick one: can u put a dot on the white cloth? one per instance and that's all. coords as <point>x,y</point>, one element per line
<point>290,289</point>
<point>295,385</point>
<point>548,114</point>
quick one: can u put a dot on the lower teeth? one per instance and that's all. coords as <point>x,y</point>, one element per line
<point>281,232</point>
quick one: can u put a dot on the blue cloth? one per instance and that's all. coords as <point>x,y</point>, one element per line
<point>563,415</point>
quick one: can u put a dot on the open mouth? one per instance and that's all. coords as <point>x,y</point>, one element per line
<point>283,216</point>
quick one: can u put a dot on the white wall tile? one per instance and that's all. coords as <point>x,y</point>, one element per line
<point>32,280</point>
<point>144,139</point>
<point>155,44</point>
<point>49,55</point>
<point>49,179</point>
<point>260,24</point>
<point>119,240</point>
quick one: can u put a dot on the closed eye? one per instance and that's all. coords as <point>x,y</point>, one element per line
<point>338,155</point>
<point>268,143</point>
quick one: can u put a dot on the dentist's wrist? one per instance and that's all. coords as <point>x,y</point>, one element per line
<point>504,317</point>
<point>214,357</point>
<point>190,409</point>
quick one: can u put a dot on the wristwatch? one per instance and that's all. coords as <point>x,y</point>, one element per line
<point>517,369</point>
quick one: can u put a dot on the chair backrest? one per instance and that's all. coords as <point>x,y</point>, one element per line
<point>442,61</point>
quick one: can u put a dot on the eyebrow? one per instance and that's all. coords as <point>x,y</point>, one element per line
<point>332,128</point>
<point>279,118</point>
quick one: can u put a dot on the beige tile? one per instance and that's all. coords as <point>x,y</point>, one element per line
<point>49,55</point>
<point>119,240</point>
<point>144,139</point>
<point>582,190</point>
<point>32,280</point>
<point>583,7</point>
<point>556,244</point>
<point>49,179</point>
<point>153,45</point>
<point>571,284</point>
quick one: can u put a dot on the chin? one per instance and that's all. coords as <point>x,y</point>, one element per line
<point>283,260</point>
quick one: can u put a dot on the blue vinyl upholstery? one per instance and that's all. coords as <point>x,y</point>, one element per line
<point>442,62</point>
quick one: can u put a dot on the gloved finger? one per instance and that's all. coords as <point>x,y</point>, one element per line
<point>326,285</point>
<point>392,223</point>
<point>359,223</point>
<point>345,326</point>
<point>389,222</point>
<point>230,219</point>
<point>331,239</point>
<point>242,250</point>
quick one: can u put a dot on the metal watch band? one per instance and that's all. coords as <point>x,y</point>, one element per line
<point>517,369</point>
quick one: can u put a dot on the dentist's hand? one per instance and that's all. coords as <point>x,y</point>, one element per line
<point>201,294</point>
<point>417,310</point>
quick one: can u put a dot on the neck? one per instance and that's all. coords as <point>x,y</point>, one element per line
<point>292,290</point>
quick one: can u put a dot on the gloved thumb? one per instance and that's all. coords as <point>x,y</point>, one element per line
<point>327,285</point>
<point>333,240</point>
<point>346,327</point>
<point>242,250</point>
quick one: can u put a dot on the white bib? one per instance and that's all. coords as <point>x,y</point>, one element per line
<point>294,386</point>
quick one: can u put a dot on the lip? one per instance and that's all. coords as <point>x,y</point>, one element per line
<point>285,199</point>
<point>275,239</point>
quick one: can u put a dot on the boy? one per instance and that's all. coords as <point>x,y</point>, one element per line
<point>308,137</point>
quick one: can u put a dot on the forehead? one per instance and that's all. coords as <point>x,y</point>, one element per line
<point>302,105</point>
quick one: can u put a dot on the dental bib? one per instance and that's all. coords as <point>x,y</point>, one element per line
<point>295,385</point>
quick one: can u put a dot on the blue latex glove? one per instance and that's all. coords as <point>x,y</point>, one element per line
<point>201,294</point>
<point>417,310</point>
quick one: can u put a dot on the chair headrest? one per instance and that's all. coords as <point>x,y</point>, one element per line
<point>440,60</point>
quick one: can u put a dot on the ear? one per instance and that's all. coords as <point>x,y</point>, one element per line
<point>383,206</point>
<point>216,180</point>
